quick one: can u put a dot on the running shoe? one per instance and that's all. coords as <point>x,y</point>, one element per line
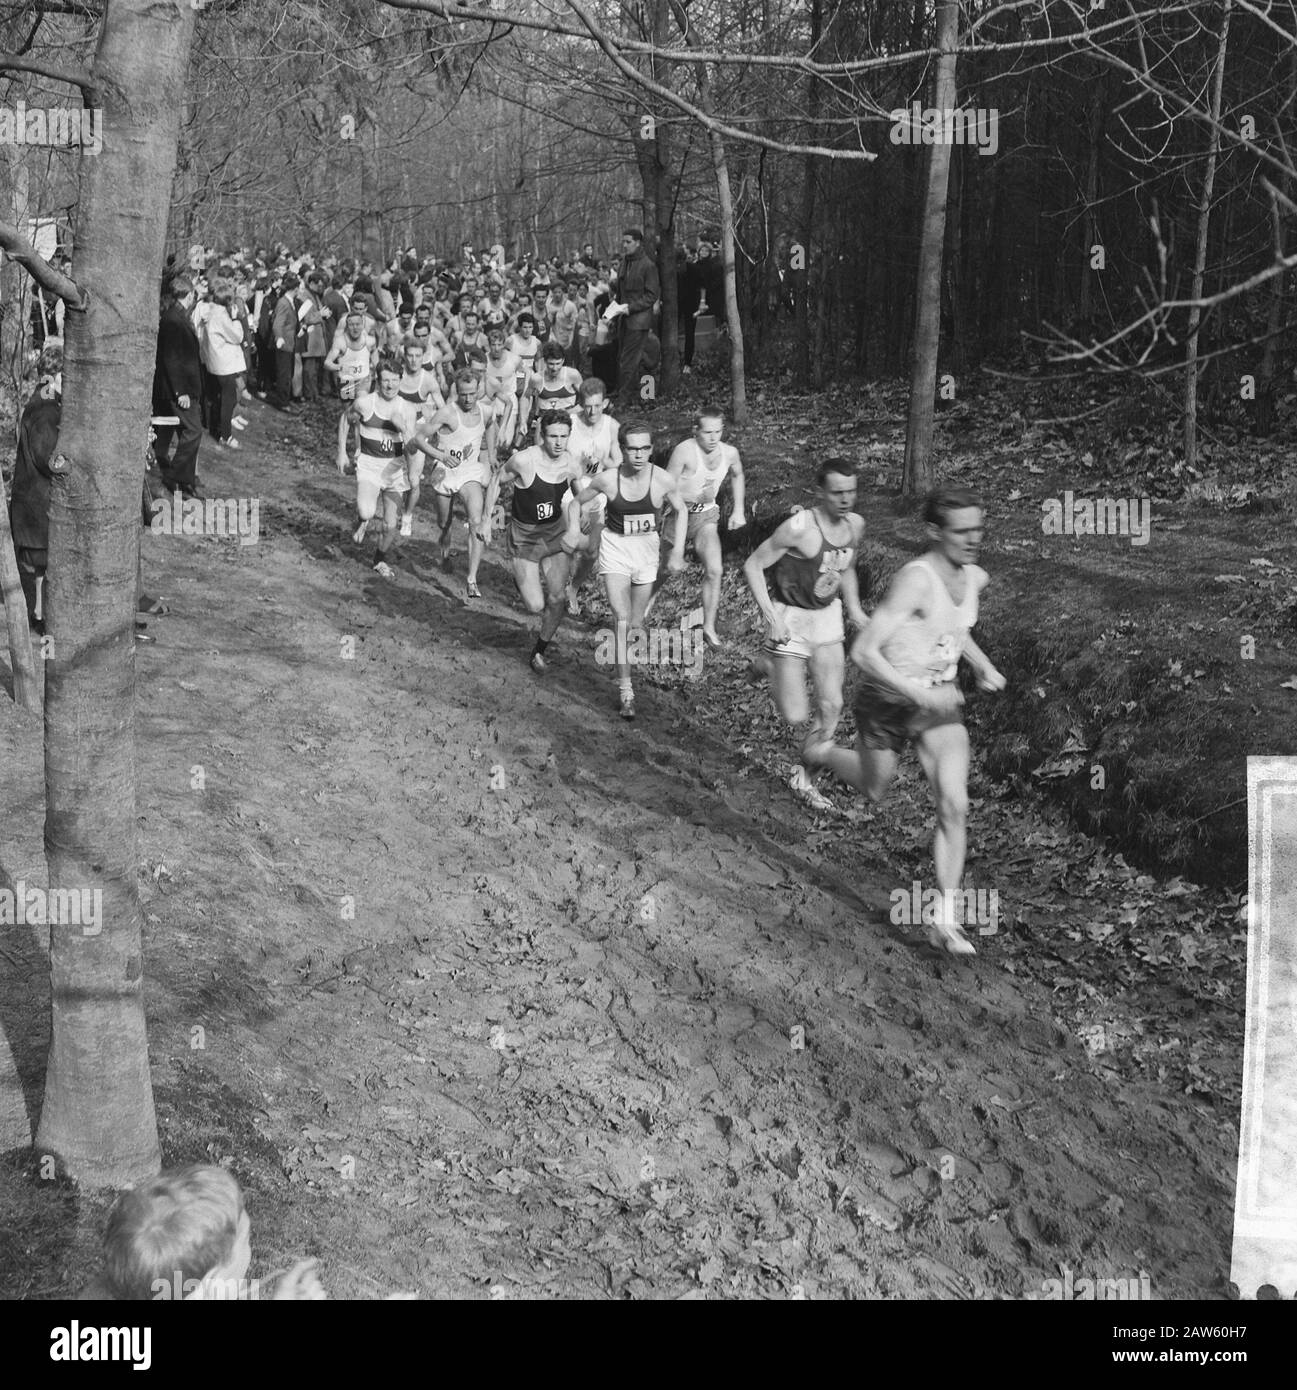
<point>358,535</point>
<point>472,590</point>
<point>627,707</point>
<point>806,791</point>
<point>946,936</point>
<point>239,422</point>
<point>539,664</point>
<point>384,570</point>
<point>945,933</point>
<point>407,523</point>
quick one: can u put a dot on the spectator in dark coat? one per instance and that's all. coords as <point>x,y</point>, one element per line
<point>283,329</point>
<point>638,291</point>
<point>177,387</point>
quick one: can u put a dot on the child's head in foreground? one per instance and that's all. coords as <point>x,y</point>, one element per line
<point>186,1224</point>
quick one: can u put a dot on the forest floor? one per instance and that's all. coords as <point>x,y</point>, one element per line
<point>480,991</point>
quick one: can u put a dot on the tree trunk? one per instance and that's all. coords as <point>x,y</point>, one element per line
<point>1263,419</point>
<point>1200,252</point>
<point>1089,223</point>
<point>738,381</point>
<point>97,1118</point>
<point>371,232</point>
<point>927,303</point>
<point>806,226</point>
<point>734,325</point>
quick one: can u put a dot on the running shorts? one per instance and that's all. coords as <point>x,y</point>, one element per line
<point>387,475</point>
<point>885,720</point>
<point>808,628</point>
<point>696,520</point>
<point>534,540</point>
<point>634,556</point>
<point>455,478</point>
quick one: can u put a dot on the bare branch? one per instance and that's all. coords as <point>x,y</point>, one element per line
<point>74,77</point>
<point>25,254</point>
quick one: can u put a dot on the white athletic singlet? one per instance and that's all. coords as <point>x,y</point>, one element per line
<point>927,649</point>
<point>418,390</point>
<point>354,362</point>
<point>462,441</point>
<point>706,474</point>
<point>596,440</point>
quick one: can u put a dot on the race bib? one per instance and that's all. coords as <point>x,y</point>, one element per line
<point>544,510</point>
<point>828,584</point>
<point>640,525</point>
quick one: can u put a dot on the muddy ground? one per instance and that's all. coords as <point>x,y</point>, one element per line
<point>483,993</point>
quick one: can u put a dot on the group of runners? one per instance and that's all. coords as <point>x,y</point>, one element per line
<point>586,496</point>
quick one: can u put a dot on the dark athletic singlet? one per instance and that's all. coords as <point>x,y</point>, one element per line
<point>541,500</point>
<point>627,518</point>
<point>556,396</point>
<point>813,582</point>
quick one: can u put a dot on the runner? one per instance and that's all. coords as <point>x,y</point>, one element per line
<point>629,547</point>
<point>351,359</point>
<point>423,318</point>
<point>387,427</point>
<point>542,475</point>
<point>500,382</point>
<point>594,442</point>
<point>461,438</point>
<point>812,558</point>
<point>422,393</point>
<point>524,344</point>
<point>700,466</point>
<point>471,338</point>
<point>493,306</point>
<point>909,651</point>
<point>555,386</point>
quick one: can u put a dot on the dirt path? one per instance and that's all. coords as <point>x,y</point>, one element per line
<point>603,1023</point>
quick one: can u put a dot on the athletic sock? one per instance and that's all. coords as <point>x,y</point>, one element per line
<point>626,692</point>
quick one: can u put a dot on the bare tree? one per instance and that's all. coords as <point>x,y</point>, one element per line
<point>917,476</point>
<point>97,1119</point>
<point>1200,250</point>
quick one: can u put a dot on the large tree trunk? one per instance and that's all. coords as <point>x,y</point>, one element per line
<point>1200,252</point>
<point>927,311</point>
<point>97,1118</point>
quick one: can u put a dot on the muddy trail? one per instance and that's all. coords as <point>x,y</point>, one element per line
<point>482,992</point>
